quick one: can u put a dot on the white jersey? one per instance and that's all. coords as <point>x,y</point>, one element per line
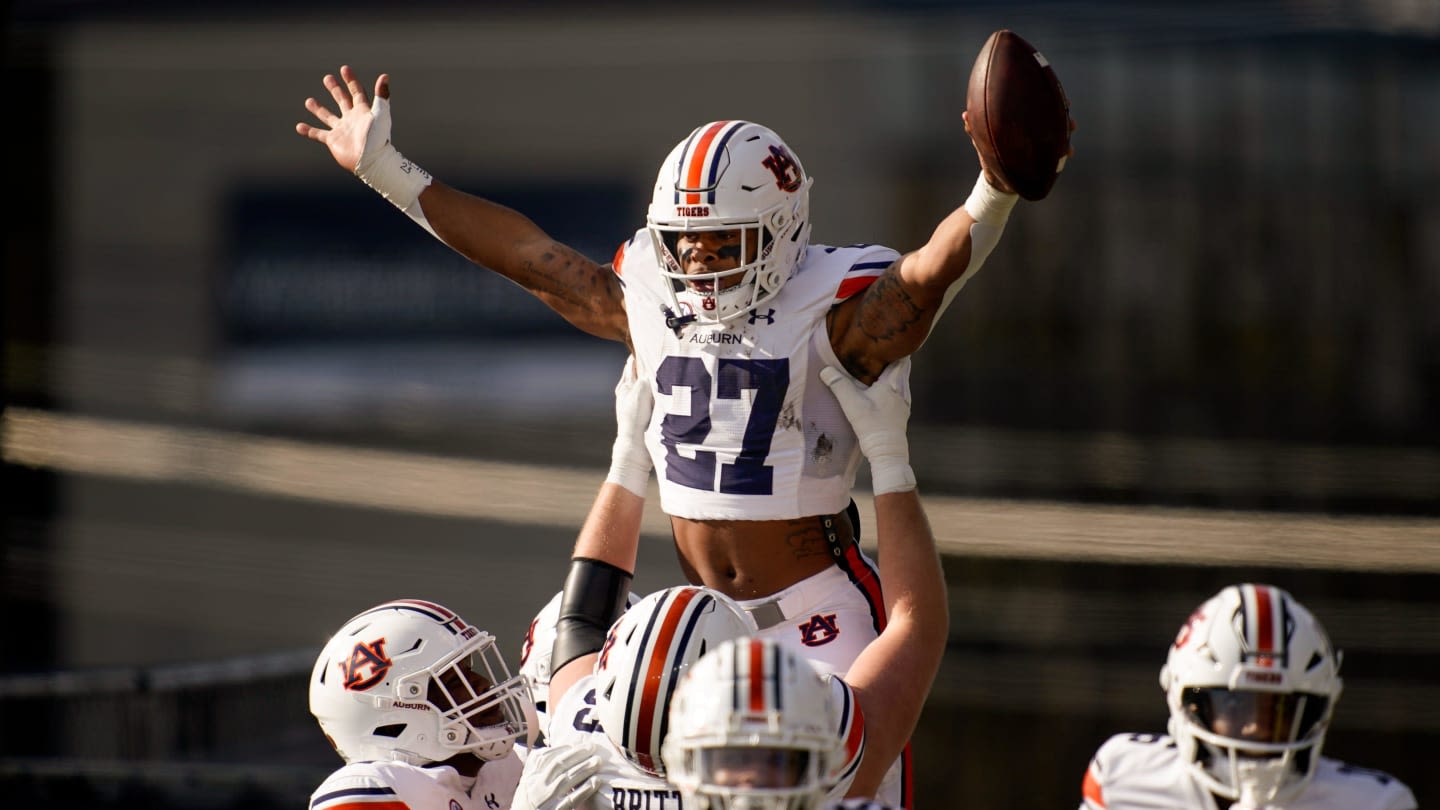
<point>743,428</point>
<point>622,786</point>
<point>1144,772</point>
<point>397,786</point>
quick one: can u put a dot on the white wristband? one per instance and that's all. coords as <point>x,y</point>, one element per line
<point>989,205</point>
<point>893,477</point>
<point>629,472</point>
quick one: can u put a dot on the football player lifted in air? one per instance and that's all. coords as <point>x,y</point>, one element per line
<point>730,314</point>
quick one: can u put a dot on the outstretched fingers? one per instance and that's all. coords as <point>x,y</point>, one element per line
<point>338,92</point>
<point>353,86</point>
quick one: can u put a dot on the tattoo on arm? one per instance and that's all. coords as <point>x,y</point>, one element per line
<point>888,310</point>
<point>890,324</point>
<point>583,292</point>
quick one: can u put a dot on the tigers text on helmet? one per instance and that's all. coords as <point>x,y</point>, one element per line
<point>1251,682</point>
<point>409,680</point>
<point>736,177</point>
<point>753,726</point>
<point>646,652</point>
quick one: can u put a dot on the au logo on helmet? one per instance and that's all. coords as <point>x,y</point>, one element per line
<point>366,666</point>
<point>786,171</point>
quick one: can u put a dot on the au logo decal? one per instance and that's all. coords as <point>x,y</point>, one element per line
<point>819,630</point>
<point>366,666</point>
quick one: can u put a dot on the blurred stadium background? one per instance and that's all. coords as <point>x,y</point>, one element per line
<point>243,399</point>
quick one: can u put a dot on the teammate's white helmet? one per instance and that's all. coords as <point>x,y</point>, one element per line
<point>646,652</point>
<point>1251,681</point>
<point>539,645</point>
<point>753,726</point>
<point>409,680</point>
<point>731,175</point>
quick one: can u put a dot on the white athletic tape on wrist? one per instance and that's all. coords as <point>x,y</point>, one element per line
<point>398,180</point>
<point>988,204</point>
<point>892,477</point>
<point>636,479</point>
<point>629,465</point>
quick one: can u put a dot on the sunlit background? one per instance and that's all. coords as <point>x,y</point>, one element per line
<point>245,398</point>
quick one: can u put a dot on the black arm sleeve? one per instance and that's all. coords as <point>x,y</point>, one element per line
<point>594,597</point>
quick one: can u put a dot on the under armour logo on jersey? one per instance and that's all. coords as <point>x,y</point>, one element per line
<point>490,801</point>
<point>784,167</point>
<point>366,666</point>
<point>769,316</point>
<point>819,630</point>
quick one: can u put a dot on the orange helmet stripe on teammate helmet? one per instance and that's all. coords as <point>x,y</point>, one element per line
<point>700,158</point>
<point>656,673</point>
<point>1267,616</point>
<point>757,675</point>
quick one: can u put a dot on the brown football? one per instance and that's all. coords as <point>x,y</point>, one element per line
<point>1019,116</point>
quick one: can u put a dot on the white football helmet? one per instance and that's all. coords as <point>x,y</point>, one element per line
<point>646,652</point>
<point>409,680</point>
<point>1252,682</point>
<point>731,176</point>
<point>753,726</point>
<point>539,645</point>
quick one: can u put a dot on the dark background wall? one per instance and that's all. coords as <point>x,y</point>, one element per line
<point>244,398</point>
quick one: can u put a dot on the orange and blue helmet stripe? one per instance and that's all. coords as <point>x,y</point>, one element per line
<point>701,162</point>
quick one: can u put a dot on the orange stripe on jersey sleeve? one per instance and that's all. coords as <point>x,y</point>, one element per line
<point>851,286</point>
<point>619,257</point>
<point>1094,796</point>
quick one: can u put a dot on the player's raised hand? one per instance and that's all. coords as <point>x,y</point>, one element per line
<point>360,129</point>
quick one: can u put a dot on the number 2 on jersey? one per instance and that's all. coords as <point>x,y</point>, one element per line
<point>749,474</point>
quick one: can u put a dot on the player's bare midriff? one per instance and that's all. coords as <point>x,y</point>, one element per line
<point>752,559</point>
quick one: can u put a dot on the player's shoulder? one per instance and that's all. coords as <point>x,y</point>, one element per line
<point>1339,784</point>
<point>844,271</point>
<point>847,258</point>
<point>635,251</point>
<point>1134,752</point>
<point>363,782</point>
